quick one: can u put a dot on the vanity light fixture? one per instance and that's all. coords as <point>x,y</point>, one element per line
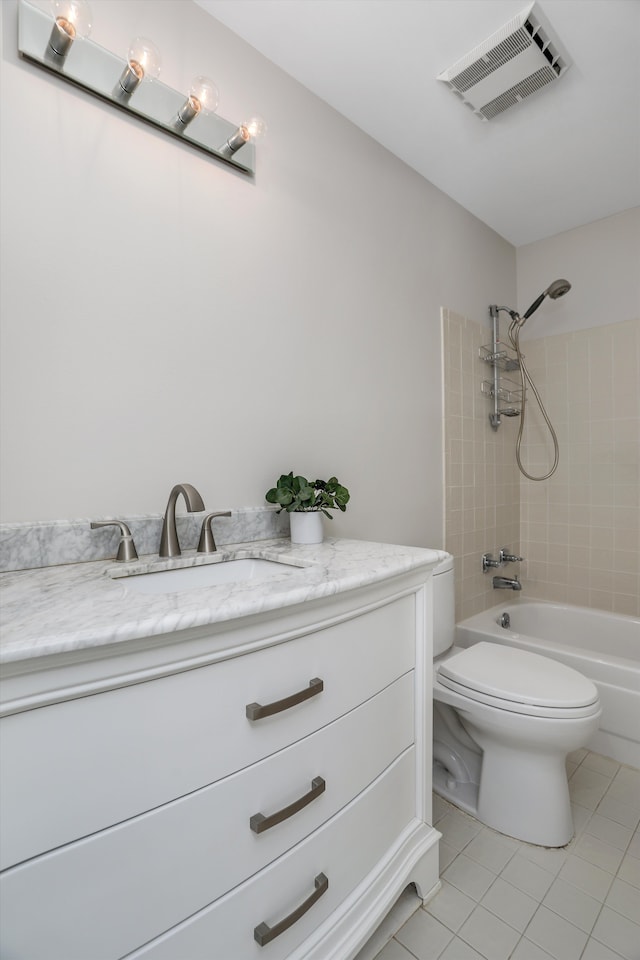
<point>72,18</point>
<point>253,129</point>
<point>203,98</point>
<point>56,39</point>
<point>143,60</point>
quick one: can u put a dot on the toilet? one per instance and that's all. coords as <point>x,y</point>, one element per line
<point>504,721</point>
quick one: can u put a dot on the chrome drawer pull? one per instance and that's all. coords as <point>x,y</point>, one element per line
<point>264,934</point>
<point>255,711</point>
<point>259,823</point>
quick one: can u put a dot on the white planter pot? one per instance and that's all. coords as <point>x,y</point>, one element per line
<point>306,527</point>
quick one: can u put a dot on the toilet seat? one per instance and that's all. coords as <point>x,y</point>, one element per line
<point>519,682</point>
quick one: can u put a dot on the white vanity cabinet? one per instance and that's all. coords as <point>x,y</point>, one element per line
<point>253,789</point>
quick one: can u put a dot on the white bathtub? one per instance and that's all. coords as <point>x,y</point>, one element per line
<point>603,646</point>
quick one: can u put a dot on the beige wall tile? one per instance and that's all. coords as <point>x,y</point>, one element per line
<point>579,530</point>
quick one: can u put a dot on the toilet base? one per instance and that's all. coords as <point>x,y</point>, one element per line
<point>544,820</point>
<point>507,772</point>
<point>536,806</point>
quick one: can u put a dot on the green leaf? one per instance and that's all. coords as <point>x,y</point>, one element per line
<point>342,495</point>
<point>296,493</point>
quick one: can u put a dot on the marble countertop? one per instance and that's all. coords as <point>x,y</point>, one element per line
<point>78,606</point>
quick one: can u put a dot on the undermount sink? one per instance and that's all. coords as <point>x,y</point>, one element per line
<point>206,575</point>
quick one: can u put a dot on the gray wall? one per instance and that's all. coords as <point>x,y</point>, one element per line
<point>600,259</point>
<point>165,319</point>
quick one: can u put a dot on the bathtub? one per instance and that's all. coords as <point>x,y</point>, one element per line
<point>603,646</point>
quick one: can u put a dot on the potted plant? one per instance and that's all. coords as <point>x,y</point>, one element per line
<point>306,501</point>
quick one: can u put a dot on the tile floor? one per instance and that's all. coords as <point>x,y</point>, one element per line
<point>506,900</point>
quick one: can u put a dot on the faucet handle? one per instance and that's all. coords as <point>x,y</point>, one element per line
<point>207,544</point>
<point>126,548</point>
<point>506,557</point>
<point>488,561</point>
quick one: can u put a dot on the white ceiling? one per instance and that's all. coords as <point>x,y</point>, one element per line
<point>569,155</point>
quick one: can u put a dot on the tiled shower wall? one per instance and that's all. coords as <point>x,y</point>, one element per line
<point>580,530</point>
<point>482,490</point>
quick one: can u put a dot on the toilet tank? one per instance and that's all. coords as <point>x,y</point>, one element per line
<point>444,615</point>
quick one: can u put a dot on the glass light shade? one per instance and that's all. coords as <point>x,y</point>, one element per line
<point>144,58</point>
<point>73,16</point>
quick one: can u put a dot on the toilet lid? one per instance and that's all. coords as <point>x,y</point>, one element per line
<point>517,676</point>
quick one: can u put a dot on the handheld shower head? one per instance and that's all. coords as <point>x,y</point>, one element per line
<point>556,289</point>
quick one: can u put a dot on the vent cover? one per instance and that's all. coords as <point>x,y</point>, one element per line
<point>521,57</point>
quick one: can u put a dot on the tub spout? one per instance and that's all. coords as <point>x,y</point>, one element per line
<point>506,583</point>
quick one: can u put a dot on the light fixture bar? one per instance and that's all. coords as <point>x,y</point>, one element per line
<point>107,76</point>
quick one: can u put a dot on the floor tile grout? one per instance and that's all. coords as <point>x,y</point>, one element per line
<point>471,831</point>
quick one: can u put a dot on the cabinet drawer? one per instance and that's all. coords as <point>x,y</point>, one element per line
<point>73,768</point>
<point>148,874</point>
<point>345,850</point>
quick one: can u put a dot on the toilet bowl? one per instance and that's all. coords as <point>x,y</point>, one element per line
<point>504,722</point>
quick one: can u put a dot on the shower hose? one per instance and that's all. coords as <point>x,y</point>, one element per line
<point>525,378</point>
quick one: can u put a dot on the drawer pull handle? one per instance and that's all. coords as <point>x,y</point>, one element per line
<point>259,823</point>
<point>264,934</point>
<point>255,711</point>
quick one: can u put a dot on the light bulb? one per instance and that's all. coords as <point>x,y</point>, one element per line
<point>205,91</point>
<point>143,60</point>
<point>256,128</point>
<point>252,129</point>
<point>203,98</point>
<point>72,20</point>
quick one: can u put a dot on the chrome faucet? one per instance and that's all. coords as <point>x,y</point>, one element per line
<point>506,557</point>
<point>506,583</point>
<point>169,543</point>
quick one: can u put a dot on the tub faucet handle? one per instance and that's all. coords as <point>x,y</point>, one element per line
<point>126,548</point>
<point>207,544</point>
<point>488,562</point>
<point>506,557</point>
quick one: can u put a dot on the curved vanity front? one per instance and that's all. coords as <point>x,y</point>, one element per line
<point>254,786</point>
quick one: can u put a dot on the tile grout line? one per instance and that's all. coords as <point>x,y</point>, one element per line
<point>447,808</point>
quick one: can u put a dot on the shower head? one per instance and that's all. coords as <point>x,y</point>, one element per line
<point>556,289</point>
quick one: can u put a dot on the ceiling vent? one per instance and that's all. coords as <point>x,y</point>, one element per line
<point>521,57</point>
